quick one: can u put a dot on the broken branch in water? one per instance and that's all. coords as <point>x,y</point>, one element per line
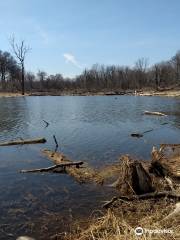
<point>47,124</point>
<point>21,142</point>
<point>63,165</point>
<point>55,140</point>
<point>138,135</point>
<point>168,194</point>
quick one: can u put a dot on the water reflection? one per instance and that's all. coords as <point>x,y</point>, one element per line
<point>13,117</point>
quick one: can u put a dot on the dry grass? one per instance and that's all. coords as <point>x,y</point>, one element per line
<point>120,222</point>
<point>8,94</point>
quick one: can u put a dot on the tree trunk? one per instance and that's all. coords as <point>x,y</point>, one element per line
<point>22,78</point>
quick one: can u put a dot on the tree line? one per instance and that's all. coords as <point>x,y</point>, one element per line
<point>13,76</point>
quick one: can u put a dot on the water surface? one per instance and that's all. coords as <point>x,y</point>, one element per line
<point>94,129</point>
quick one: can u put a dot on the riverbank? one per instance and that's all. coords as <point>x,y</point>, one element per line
<point>156,217</point>
<point>9,94</point>
<point>165,93</point>
<point>120,222</point>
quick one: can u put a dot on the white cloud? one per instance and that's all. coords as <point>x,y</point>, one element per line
<point>71,59</point>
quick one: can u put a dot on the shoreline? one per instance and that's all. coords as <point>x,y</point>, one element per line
<point>165,93</point>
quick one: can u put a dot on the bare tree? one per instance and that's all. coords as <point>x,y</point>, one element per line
<point>20,51</point>
<point>176,61</point>
<point>42,77</point>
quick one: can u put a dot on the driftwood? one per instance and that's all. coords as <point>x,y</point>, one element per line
<point>154,113</point>
<point>168,194</point>
<point>62,165</point>
<point>21,142</point>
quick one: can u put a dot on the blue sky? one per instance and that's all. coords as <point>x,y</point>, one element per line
<point>68,35</point>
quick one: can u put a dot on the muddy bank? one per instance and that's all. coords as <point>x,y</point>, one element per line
<point>166,93</point>
<point>9,94</point>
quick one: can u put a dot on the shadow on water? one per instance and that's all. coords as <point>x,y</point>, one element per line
<point>94,129</point>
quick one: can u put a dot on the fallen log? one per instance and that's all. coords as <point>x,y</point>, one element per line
<point>168,194</point>
<point>154,113</point>
<point>22,142</point>
<point>62,165</point>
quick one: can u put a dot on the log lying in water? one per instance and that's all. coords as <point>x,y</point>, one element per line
<point>61,165</point>
<point>168,194</point>
<point>21,142</point>
<point>155,113</point>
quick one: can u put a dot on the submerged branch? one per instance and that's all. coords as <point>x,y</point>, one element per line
<point>63,165</point>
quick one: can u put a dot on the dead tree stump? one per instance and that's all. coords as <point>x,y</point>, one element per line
<point>134,179</point>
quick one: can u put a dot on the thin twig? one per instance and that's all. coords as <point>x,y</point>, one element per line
<point>47,124</point>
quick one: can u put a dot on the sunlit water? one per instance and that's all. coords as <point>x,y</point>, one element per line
<point>94,129</point>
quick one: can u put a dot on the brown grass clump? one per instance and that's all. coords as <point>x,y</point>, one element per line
<point>119,223</point>
<point>83,174</point>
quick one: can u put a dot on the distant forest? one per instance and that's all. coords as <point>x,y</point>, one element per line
<point>99,78</point>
